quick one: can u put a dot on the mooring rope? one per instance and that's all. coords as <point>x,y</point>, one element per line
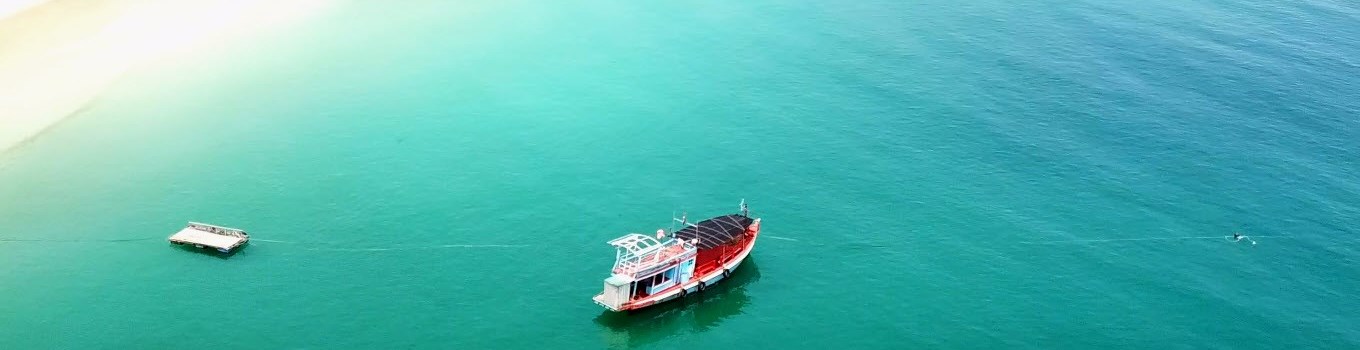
<point>1229,238</point>
<point>315,246</point>
<point>31,240</point>
<point>325,246</point>
<point>442,246</point>
<point>330,246</point>
<point>1248,239</point>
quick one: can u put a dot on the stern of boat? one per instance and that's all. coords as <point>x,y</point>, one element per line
<point>616,293</point>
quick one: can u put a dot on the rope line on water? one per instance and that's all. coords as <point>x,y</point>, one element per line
<point>442,246</point>
<point>1228,238</point>
<point>326,246</point>
<point>114,240</point>
<point>337,247</point>
<point>119,240</point>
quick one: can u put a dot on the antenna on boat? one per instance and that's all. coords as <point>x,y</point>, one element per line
<point>745,211</point>
<point>684,220</point>
<point>672,228</point>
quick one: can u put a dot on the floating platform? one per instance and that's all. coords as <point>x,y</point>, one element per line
<point>204,236</point>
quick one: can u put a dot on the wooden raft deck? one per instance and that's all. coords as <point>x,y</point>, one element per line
<point>224,239</point>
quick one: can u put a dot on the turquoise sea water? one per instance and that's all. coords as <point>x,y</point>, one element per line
<point>922,167</point>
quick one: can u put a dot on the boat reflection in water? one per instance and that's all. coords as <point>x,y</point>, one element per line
<point>695,314</point>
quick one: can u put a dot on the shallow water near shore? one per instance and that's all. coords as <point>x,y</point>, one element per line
<point>930,174</point>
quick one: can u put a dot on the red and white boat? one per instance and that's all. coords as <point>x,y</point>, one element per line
<point>650,270</point>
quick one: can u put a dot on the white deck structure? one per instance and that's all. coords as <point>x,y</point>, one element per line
<point>224,239</point>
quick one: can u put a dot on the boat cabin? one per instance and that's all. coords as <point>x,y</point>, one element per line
<point>644,266</point>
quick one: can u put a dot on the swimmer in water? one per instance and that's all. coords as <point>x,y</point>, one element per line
<point>1238,237</point>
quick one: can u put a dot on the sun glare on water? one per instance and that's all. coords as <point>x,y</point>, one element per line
<point>166,27</point>
<point>47,72</point>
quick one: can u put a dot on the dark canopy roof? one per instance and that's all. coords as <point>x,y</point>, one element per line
<point>716,231</point>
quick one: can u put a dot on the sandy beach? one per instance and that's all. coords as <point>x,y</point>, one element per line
<point>57,56</point>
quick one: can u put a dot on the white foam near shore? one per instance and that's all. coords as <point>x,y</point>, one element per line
<point>57,56</point>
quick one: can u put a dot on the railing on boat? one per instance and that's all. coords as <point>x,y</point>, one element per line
<point>640,255</point>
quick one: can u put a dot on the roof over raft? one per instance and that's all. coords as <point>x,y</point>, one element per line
<point>716,231</point>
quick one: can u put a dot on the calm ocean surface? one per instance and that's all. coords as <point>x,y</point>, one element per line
<point>923,168</point>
